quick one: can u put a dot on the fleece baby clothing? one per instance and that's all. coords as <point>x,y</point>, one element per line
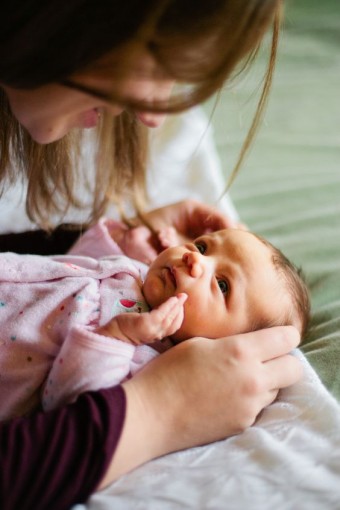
<point>49,307</point>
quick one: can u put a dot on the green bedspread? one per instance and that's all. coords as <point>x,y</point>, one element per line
<point>289,188</point>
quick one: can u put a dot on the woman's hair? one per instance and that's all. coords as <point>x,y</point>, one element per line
<point>196,42</point>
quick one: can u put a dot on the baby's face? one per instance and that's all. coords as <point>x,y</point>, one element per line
<point>229,278</point>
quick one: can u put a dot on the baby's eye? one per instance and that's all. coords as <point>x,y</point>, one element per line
<point>223,285</point>
<point>201,246</point>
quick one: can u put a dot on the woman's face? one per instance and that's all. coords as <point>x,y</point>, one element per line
<point>50,112</point>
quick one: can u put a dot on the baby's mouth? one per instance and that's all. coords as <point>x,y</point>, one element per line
<point>171,276</point>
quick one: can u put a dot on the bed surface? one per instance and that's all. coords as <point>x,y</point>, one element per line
<point>289,188</point>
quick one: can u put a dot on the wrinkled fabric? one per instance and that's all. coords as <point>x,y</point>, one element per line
<point>49,307</point>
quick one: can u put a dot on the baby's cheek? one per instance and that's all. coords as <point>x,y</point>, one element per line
<point>152,291</point>
<point>185,332</point>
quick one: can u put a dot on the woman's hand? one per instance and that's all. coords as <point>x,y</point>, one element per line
<point>202,391</point>
<point>138,243</point>
<point>190,218</point>
<point>170,225</point>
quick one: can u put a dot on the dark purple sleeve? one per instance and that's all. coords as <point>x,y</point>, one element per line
<point>56,459</point>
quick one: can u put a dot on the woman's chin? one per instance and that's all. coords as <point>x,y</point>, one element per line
<point>49,135</point>
<point>45,136</point>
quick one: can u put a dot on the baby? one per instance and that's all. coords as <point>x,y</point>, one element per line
<point>64,322</point>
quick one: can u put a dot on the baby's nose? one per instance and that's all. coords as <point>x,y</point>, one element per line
<point>193,262</point>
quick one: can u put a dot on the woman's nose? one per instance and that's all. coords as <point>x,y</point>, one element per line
<point>194,263</point>
<point>160,91</point>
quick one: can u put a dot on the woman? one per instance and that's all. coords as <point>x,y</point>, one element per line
<point>119,67</point>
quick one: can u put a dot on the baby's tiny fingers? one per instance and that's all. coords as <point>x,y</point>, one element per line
<point>168,317</point>
<point>174,318</point>
<point>170,305</point>
<point>182,297</point>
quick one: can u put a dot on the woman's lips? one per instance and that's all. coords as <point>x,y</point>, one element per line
<point>89,119</point>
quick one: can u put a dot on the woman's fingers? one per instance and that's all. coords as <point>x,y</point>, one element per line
<point>266,344</point>
<point>196,218</point>
<point>266,356</point>
<point>190,218</point>
<point>283,371</point>
<point>277,374</point>
<point>210,219</point>
<point>140,243</point>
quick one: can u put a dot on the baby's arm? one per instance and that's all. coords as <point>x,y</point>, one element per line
<point>145,328</point>
<point>87,362</point>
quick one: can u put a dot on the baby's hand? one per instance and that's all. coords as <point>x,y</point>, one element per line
<point>145,328</point>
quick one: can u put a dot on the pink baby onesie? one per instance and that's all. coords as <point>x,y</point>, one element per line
<point>49,307</point>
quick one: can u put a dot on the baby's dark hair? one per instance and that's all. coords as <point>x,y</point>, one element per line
<point>295,283</point>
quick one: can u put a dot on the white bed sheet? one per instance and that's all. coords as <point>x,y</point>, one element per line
<point>289,460</point>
